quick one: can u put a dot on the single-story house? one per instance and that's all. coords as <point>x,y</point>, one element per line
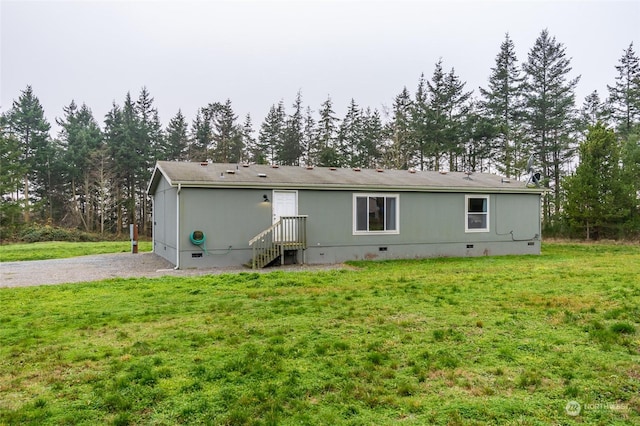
<point>214,215</point>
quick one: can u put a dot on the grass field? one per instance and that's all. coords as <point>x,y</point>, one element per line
<point>60,250</point>
<point>494,340</point>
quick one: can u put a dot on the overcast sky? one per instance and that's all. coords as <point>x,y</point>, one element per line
<point>256,53</point>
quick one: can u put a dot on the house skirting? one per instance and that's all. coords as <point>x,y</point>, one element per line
<point>317,255</point>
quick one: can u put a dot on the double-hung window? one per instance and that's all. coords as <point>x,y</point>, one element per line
<point>476,213</point>
<point>375,214</point>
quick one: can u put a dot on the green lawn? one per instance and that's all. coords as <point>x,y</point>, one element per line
<point>492,340</point>
<point>59,250</point>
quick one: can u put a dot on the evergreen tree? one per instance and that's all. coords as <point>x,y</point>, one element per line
<point>479,132</point>
<point>147,138</point>
<point>457,106</point>
<point>12,171</point>
<point>289,149</point>
<point>50,195</point>
<point>448,104</point>
<point>227,134</point>
<point>372,139</point>
<point>631,176</point>
<point>149,143</point>
<point>350,137</point>
<point>80,137</point>
<point>250,152</point>
<point>309,137</point>
<point>117,148</point>
<point>624,96</point>
<point>420,116</point>
<point>271,133</point>
<point>102,177</point>
<point>201,137</point>
<point>132,159</point>
<point>177,139</point>
<point>401,153</point>
<point>157,137</point>
<point>436,130</point>
<point>549,101</point>
<point>598,200</point>
<point>25,122</point>
<point>593,111</point>
<point>325,149</point>
<point>501,105</point>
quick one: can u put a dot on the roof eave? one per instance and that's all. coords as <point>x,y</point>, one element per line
<point>370,188</point>
<point>155,179</point>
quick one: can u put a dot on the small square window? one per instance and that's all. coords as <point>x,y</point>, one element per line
<point>477,213</point>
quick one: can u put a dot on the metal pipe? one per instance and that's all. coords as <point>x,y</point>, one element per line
<point>153,226</point>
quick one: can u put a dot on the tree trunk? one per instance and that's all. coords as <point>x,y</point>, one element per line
<point>76,208</point>
<point>118,210</point>
<point>26,199</point>
<point>88,202</point>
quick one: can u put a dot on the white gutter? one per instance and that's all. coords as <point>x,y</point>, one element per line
<point>375,188</point>
<point>178,227</point>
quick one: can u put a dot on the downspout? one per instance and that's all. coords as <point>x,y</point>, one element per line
<point>540,221</point>
<point>153,224</point>
<point>178,227</point>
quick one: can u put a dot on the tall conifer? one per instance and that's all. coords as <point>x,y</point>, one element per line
<point>624,96</point>
<point>25,122</point>
<point>325,150</point>
<point>401,153</point>
<point>502,105</point>
<point>290,145</point>
<point>272,132</point>
<point>549,102</point>
<point>598,200</point>
<point>177,139</point>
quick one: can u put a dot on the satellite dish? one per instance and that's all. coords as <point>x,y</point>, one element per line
<point>530,164</point>
<point>534,178</point>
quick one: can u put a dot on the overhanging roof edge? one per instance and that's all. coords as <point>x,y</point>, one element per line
<point>330,187</point>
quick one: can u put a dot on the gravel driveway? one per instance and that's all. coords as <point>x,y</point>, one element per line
<point>104,266</point>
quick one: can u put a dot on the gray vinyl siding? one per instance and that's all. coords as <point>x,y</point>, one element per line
<point>228,217</point>
<point>164,227</point>
<point>431,224</point>
<point>424,217</point>
<point>225,201</point>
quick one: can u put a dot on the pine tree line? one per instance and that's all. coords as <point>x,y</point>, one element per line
<point>95,177</point>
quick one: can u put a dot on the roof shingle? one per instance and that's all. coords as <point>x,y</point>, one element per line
<point>218,175</point>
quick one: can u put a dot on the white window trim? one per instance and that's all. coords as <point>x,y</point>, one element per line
<point>355,213</point>
<point>466,213</point>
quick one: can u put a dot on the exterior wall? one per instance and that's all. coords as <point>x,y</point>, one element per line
<point>431,224</point>
<point>164,221</point>
<point>228,217</point>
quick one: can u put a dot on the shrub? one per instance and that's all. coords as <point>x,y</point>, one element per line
<point>38,233</point>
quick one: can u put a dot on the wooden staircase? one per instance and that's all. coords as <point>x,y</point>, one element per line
<point>288,233</point>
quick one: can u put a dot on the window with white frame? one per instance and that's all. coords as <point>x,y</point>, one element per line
<point>476,213</point>
<point>375,214</point>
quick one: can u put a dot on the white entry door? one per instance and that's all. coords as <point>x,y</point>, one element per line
<point>285,203</point>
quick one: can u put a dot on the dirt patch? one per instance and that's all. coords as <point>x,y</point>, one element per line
<point>105,266</point>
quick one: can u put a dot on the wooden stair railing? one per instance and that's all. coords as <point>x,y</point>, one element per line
<point>288,233</point>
